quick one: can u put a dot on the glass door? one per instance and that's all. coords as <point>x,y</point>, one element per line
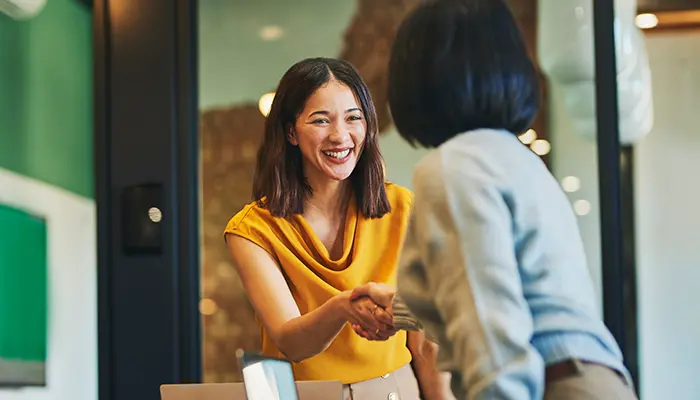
<point>244,49</point>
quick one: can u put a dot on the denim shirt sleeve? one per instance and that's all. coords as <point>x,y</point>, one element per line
<point>459,276</point>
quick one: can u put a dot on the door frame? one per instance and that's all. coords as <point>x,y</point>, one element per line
<point>146,120</point>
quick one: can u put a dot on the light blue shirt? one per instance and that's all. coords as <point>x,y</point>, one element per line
<point>494,268</point>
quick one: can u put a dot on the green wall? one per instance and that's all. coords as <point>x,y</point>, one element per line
<point>23,284</point>
<point>45,135</point>
<point>46,96</point>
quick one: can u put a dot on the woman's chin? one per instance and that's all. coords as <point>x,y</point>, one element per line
<point>338,174</point>
<point>338,177</point>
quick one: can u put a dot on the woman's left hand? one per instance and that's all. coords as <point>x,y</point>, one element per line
<point>382,316</point>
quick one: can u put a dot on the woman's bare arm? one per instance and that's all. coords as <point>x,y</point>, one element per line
<point>297,337</point>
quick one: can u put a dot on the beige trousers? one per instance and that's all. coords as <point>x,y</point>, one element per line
<point>591,382</point>
<point>398,385</point>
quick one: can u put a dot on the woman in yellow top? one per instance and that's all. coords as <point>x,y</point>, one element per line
<point>325,222</point>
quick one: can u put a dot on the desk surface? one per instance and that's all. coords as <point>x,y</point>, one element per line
<point>316,390</point>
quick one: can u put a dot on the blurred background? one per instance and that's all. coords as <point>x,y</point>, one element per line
<point>48,220</point>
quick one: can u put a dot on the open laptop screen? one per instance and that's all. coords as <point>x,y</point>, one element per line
<point>267,378</point>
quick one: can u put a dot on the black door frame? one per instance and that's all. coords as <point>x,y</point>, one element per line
<point>616,191</point>
<point>146,119</point>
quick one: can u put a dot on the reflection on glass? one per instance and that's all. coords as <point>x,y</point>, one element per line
<point>269,380</point>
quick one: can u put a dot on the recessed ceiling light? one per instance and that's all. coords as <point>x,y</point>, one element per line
<point>646,21</point>
<point>541,147</point>
<point>582,207</point>
<point>528,137</point>
<point>208,307</point>
<point>271,32</point>
<point>265,103</point>
<point>571,184</point>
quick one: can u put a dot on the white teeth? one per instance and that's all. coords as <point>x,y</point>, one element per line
<point>337,154</point>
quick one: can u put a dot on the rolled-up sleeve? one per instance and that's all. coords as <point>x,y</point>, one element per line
<point>402,317</point>
<point>459,276</point>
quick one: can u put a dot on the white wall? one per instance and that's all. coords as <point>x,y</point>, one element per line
<point>71,364</point>
<point>668,223</point>
<point>400,158</point>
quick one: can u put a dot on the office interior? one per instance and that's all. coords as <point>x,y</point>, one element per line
<point>99,97</point>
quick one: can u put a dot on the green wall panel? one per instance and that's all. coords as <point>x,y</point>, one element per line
<point>46,96</point>
<point>23,286</point>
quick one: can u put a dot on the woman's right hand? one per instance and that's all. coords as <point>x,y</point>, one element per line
<point>373,320</point>
<point>380,293</point>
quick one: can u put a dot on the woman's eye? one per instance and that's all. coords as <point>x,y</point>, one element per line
<point>355,118</point>
<point>320,121</point>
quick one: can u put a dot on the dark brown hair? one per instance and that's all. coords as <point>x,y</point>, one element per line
<point>457,66</point>
<point>279,183</point>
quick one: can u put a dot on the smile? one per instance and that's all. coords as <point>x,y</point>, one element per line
<point>339,155</point>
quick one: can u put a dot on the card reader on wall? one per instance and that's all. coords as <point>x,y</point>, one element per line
<point>142,219</point>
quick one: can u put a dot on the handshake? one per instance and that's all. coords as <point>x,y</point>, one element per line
<point>370,311</point>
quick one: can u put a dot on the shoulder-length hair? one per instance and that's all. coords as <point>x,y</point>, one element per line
<point>457,66</point>
<point>279,183</point>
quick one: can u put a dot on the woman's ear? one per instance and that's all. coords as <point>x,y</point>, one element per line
<point>292,136</point>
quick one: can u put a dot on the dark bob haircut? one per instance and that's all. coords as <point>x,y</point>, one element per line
<point>279,183</point>
<point>460,65</point>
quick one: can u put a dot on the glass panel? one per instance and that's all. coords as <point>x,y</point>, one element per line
<point>566,57</point>
<point>245,48</point>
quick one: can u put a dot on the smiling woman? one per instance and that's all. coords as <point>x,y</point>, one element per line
<point>323,222</point>
<point>320,105</point>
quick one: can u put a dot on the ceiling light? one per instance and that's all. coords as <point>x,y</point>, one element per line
<point>646,21</point>
<point>541,147</point>
<point>528,137</point>
<point>582,207</point>
<point>265,103</point>
<point>271,32</point>
<point>571,184</point>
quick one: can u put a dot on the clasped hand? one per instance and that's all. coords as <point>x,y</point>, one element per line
<point>372,316</point>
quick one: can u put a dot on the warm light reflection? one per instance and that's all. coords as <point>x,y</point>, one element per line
<point>528,137</point>
<point>208,307</point>
<point>582,207</point>
<point>265,103</point>
<point>271,32</point>
<point>541,147</point>
<point>646,21</point>
<point>571,184</point>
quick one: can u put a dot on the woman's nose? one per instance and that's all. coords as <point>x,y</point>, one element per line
<point>339,133</point>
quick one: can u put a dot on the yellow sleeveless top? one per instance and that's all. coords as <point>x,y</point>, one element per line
<point>370,253</point>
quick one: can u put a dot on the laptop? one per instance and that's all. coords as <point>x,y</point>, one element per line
<point>264,378</point>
